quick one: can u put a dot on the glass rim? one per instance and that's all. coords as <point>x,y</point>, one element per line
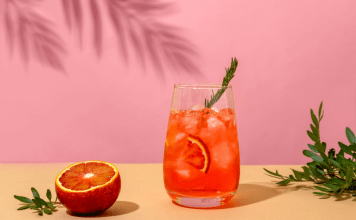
<point>200,85</point>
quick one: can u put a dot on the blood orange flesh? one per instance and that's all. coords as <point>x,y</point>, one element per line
<point>197,154</point>
<point>84,176</point>
<point>88,187</point>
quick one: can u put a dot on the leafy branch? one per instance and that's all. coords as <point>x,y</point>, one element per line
<point>333,172</point>
<point>38,204</point>
<point>230,73</point>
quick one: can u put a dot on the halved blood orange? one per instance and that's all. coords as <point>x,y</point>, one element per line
<point>88,187</point>
<point>197,154</point>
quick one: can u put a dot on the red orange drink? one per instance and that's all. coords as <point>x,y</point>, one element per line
<point>201,157</point>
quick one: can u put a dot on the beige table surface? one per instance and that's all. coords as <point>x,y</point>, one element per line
<point>143,196</point>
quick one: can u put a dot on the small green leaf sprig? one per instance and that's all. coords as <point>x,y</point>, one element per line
<point>333,173</point>
<point>230,73</point>
<point>38,204</point>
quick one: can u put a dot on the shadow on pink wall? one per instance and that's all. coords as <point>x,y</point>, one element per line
<point>135,23</point>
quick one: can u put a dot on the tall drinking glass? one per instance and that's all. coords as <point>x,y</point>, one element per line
<point>201,163</point>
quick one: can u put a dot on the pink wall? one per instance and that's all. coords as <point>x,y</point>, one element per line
<point>292,55</point>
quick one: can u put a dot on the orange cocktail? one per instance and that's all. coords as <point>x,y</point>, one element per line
<point>201,158</point>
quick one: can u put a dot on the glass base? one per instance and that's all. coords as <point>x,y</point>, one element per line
<point>200,202</point>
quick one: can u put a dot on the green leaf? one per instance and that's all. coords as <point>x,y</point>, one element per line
<point>320,108</point>
<point>313,174</point>
<point>298,175</point>
<point>315,121</point>
<point>320,169</point>
<point>37,202</point>
<point>330,186</point>
<point>320,193</point>
<point>323,145</point>
<point>311,147</point>
<point>325,158</point>
<point>345,148</point>
<point>292,177</point>
<point>311,136</point>
<point>284,182</point>
<point>350,136</point>
<point>349,174</point>
<point>324,165</point>
<point>312,170</point>
<point>49,194</point>
<point>23,199</point>
<point>24,207</point>
<point>322,189</point>
<point>44,203</point>
<point>34,207</point>
<point>314,131</point>
<point>274,174</point>
<point>340,156</point>
<point>336,182</point>
<point>306,173</point>
<point>35,193</point>
<point>40,212</point>
<point>47,211</point>
<point>331,153</point>
<point>352,147</point>
<point>335,163</point>
<point>312,155</point>
<point>50,205</point>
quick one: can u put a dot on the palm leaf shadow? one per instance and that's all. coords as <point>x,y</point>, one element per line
<point>97,29</point>
<point>73,14</point>
<point>9,29</point>
<point>136,23</point>
<point>161,43</point>
<point>33,33</point>
<point>117,17</point>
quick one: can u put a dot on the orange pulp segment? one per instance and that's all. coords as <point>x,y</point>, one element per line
<point>197,154</point>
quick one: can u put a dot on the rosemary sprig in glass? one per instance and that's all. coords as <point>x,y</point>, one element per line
<point>230,73</point>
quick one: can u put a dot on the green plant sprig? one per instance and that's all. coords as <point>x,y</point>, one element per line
<point>230,73</point>
<point>38,204</point>
<point>333,172</point>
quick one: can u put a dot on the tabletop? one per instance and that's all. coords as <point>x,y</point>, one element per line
<point>143,196</point>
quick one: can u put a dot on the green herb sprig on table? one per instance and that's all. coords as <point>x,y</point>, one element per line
<point>38,204</point>
<point>230,73</point>
<point>333,172</point>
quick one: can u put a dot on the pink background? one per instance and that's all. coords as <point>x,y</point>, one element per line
<point>292,55</point>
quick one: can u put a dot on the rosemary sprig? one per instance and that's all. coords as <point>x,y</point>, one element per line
<point>38,204</point>
<point>332,171</point>
<point>230,73</point>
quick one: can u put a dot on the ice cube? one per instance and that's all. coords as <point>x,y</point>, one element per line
<point>197,107</point>
<point>214,123</point>
<point>174,111</point>
<point>212,129</point>
<point>224,153</point>
<point>184,173</point>
<point>215,109</point>
<point>180,136</point>
<point>189,123</point>
<point>228,117</point>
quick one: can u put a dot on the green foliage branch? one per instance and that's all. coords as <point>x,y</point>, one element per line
<point>331,171</point>
<point>38,204</point>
